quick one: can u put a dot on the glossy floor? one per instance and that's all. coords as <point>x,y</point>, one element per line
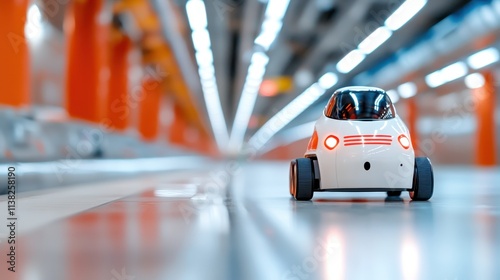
<point>205,225</point>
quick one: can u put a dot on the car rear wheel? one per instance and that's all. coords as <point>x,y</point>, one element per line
<point>423,180</point>
<point>302,179</point>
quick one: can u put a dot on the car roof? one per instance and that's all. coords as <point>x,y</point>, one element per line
<point>359,88</point>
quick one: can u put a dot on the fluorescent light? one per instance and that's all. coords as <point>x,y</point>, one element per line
<point>407,90</point>
<point>474,80</point>
<point>328,80</point>
<point>273,21</point>
<point>242,119</point>
<point>257,67</point>
<point>216,116</point>
<point>393,95</point>
<point>209,83</point>
<point>249,94</point>
<point>33,28</point>
<point>252,83</point>
<point>270,28</point>
<point>201,39</point>
<point>404,13</point>
<point>255,71</point>
<point>374,40</point>
<point>206,72</point>
<point>259,58</point>
<point>269,31</point>
<point>285,116</point>
<point>204,58</point>
<point>454,71</point>
<point>447,74</point>
<point>434,79</point>
<point>265,40</point>
<point>350,61</point>
<point>483,58</point>
<point>197,16</point>
<point>276,9</point>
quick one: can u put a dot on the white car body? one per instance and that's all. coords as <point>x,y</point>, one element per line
<point>375,143</point>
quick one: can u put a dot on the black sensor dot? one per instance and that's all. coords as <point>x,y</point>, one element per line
<point>367,166</point>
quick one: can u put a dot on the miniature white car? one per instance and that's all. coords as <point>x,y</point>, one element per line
<point>361,144</point>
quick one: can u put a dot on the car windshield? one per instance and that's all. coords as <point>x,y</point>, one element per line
<point>360,105</point>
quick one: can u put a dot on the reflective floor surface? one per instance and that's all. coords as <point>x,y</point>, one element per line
<point>238,221</point>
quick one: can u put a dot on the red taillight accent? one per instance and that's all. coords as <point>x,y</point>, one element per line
<point>331,142</point>
<point>404,141</point>
<point>313,143</point>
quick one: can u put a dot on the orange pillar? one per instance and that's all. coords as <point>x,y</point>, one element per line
<point>149,109</point>
<point>485,113</point>
<point>87,31</point>
<point>14,55</point>
<point>182,133</point>
<point>412,122</point>
<point>178,127</point>
<point>117,105</point>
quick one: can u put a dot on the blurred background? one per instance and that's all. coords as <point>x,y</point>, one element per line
<point>147,78</point>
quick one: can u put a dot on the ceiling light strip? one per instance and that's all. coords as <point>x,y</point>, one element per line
<point>483,58</point>
<point>197,18</point>
<point>271,26</point>
<point>407,90</point>
<point>404,13</point>
<point>396,20</point>
<point>447,74</point>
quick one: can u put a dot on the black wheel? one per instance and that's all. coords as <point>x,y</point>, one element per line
<point>423,180</point>
<point>302,179</point>
<point>394,193</point>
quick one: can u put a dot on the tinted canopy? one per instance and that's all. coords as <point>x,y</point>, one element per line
<point>360,105</point>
